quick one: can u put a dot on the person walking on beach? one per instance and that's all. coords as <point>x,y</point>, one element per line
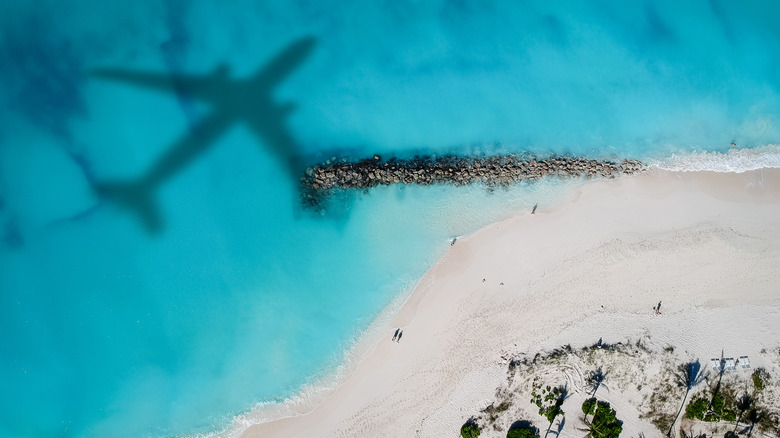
<point>658,309</point>
<point>396,333</point>
<point>399,337</point>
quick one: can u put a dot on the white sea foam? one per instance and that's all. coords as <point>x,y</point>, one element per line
<point>735,160</point>
<point>319,387</point>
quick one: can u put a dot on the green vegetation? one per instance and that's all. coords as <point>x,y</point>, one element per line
<point>553,411</point>
<point>526,430</point>
<point>716,408</point>
<point>605,423</point>
<point>733,404</point>
<point>720,408</point>
<point>696,408</point>
<point>549,401</point>
<point>760,379</point>
<point>588,406</point>
<point>470,429</point>
<point>717,403</point>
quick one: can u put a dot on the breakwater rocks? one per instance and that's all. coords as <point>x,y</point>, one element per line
<point>501,170</point>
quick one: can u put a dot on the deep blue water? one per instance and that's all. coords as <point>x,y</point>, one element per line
<point>242,297</point>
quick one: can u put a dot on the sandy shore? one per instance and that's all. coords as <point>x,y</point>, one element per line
<point>705,244</point>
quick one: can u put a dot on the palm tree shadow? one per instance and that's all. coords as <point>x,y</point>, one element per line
<point>561,423</point>
<point>689,375</point>
<point>595,380</point>
<point>233,101</point>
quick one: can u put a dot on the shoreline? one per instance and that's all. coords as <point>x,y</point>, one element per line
<point>336,410</point>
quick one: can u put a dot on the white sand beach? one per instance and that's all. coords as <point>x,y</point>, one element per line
<point>705,244</point>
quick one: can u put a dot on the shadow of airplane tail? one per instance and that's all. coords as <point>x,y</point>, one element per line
<point>135,197</point>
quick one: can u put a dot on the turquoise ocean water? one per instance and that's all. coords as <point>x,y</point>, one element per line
<point>242,298</point>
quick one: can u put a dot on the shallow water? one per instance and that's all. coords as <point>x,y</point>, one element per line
<point>243,297</point>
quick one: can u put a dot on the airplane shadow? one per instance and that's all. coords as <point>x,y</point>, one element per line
<point>232,101</point>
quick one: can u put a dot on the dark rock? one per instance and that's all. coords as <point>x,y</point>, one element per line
<point>319,180</point>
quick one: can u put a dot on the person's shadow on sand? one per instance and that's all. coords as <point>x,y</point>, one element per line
<point>232,101</point>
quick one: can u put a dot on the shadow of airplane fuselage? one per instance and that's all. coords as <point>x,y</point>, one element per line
<point>232,101</point>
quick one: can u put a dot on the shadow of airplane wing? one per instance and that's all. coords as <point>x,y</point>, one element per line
<point>138,195</point>
<point>285,62</point>
<point>158,82</point>
<point>189,147</point>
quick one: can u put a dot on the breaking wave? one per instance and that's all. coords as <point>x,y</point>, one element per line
<point>735,160</point>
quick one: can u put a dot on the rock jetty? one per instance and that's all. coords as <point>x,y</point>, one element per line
<point>501,170</point>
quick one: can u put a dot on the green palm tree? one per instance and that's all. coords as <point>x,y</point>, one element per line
<point>605,423</point>
<point>594,380</point>
<point>555,410</point>
<point>588,407</point>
